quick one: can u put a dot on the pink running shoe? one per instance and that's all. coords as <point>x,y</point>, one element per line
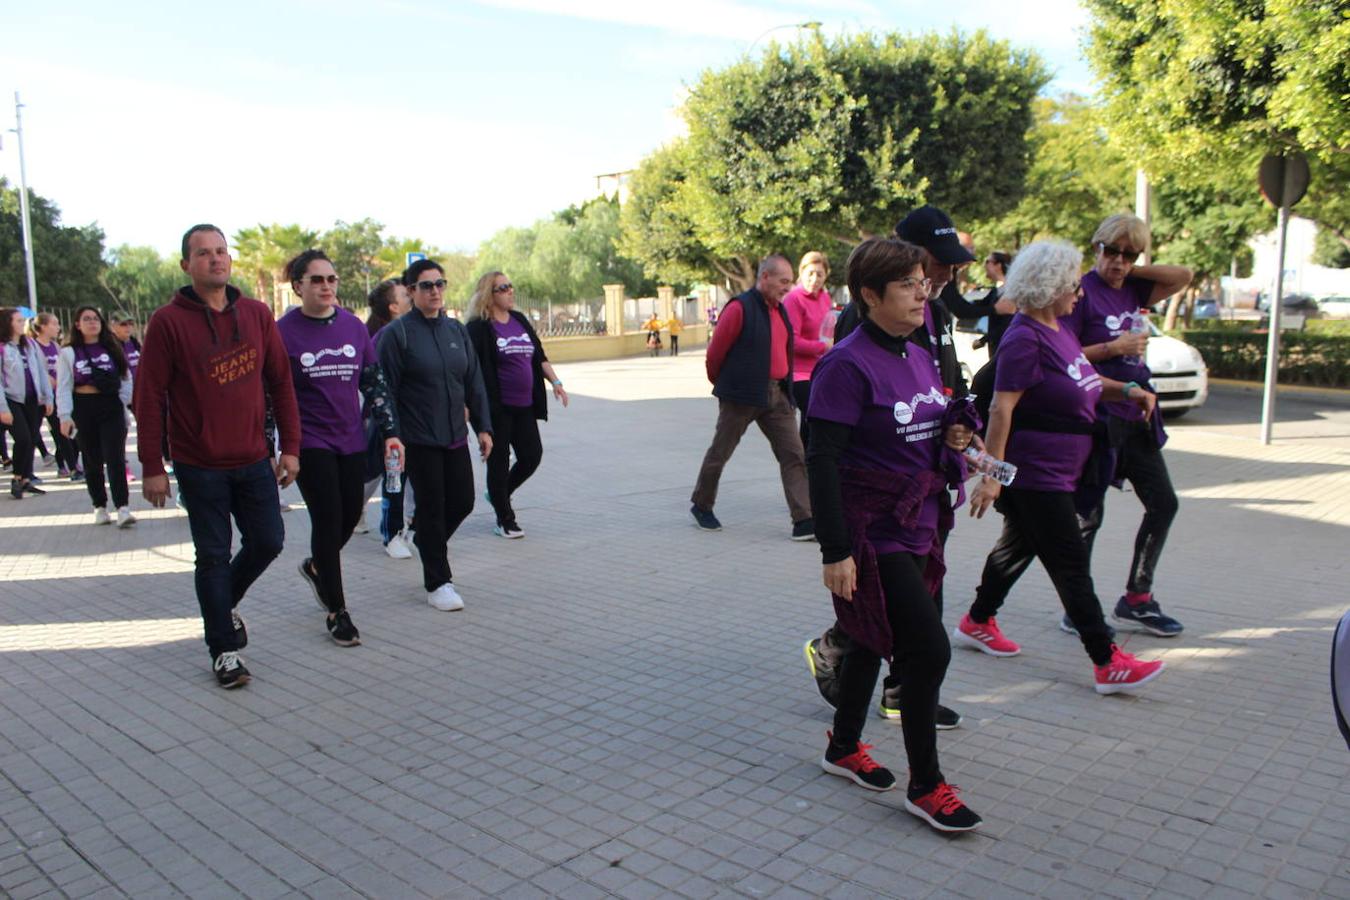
<point>1125,673</point>
<point>984,636</point>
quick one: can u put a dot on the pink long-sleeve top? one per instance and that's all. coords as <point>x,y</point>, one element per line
<point>807,312</point>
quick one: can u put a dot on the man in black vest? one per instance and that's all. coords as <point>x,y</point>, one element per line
<point>749,364</point>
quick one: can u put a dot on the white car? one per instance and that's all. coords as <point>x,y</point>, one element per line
<point>1180,376</point>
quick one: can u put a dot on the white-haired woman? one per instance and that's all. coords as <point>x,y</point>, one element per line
<point>1116,293</point>
<point>514,372</point>
<point>1042,419</point>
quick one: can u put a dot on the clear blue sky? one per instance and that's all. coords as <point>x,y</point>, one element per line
<point>445,121</point>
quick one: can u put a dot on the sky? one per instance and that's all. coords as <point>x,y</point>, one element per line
<point>445,121</point>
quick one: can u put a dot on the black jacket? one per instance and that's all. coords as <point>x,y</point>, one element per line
<point>485,345</point>
<point>744,376</point>
<point>433,374</point>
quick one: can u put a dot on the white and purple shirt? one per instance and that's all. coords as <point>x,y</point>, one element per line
<point>327,356</point>
<point>1048,366</point>
<point>515,362</point>
<point>895,406</point>
<point>1105,313</point>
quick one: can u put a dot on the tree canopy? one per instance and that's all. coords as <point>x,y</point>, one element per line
<point>67,261</point>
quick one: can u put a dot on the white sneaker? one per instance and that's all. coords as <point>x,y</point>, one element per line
<point>124,517</point>
<point>396,548</point>
<point>446,598</point>
<point>101,516</point>
<point>510,532</point>
<point>361,526</point>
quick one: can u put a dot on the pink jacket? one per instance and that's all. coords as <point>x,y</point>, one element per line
<point>807,312</point>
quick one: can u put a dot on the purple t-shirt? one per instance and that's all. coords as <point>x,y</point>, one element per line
<point>327,356</point>
<point>133,355</point>
<point>52,354</point>
<point>1056,379</point>
<point>895,406</point>
<point>515,362</point>
<point>1104,314</point>
<point>89,357</point>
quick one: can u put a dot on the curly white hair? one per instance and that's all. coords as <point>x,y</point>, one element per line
<point>1042,271</point>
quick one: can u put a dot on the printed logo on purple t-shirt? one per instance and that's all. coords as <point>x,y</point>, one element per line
<point>1119,324</point>
<point>904,412</point>
<point>1089,382</point>
<point>309,359</point>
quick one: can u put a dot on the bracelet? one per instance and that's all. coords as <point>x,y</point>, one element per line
<point>1128,385</point>
<point>558,383</point>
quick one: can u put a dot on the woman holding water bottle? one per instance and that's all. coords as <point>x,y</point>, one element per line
<point>1042,420</point>
<point>810,309</point>
<point>1112,324</point>
<point>333,365</point>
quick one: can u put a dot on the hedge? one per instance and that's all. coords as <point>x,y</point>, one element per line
<point>1322,360</point>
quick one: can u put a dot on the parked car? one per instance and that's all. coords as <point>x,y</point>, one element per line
<point>1206,308</point>
<point>1180,376</point>
<point>1334,307</point>
<point>1295,303</point>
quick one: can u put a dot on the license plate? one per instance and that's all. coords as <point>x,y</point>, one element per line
<point>1172,385</point>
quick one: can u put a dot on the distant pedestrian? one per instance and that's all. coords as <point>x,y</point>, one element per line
<point>674,326</point>
<point>653,328</point>
<point>216,358</point>
<point>810,309</point>
<point>27,398</point>
<point>44,329</point>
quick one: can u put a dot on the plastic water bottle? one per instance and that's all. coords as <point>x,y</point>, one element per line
<point>1139,325</point>
<point>393,477</point>
<point>982,463</point>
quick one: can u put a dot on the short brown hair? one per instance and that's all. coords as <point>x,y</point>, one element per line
<point>876,262</point>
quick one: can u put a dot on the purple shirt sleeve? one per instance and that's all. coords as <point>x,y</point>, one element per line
<point>1019,363</point>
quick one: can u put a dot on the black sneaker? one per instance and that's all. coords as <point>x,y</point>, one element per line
<point>1066,626</point>
<point>342,631</point>
<point>16,488</point>
<point>805,530</point>
<point>311,576</point>
<point>705,519</point>
<point>1147,616</point>
<point>240,629</point>
<point>857,766</point>
<point>941,808</point>
<point>889,709</point>
<point>230,671</point>
<point>77,476</point>
<point>29,487</point>
<point>822,673</point>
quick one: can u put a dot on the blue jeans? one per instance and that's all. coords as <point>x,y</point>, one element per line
<point>212,496</point>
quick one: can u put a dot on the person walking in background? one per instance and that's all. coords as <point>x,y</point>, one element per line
<point>875,487</point>
<point>217,358</point>
<point>1042,420</point>
<point>653,328</point>
<point>333,366</point>
<point>433,376</point>
<point>27,398</point>
<point>810,309</point>
<point>123,328</point>
<point>93,387</point>
<point>675,327</point>
<point>388,300</point>
<point>44,329</point>
<point>515,370</point>
<point>749,364</point>
<point>1111,322</point>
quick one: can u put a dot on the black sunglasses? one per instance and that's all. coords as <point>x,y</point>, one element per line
<point>431,285</point>
<point>1111,250</point>
<point>317,280</point>
<point>503,288</point>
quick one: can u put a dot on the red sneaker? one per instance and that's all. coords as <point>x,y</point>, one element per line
<point>858,767</point>
<point>942,809</point>
<point>1125,673</point>
<point>984,636</point>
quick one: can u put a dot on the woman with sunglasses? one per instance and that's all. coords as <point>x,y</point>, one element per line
<point>333,366</point>
<point>27,397</point>
<point>1112,325</point>
<point>93,388</point>
<point>885,442</point>
<point>1042,419</point>
<point>434,376</point>
<point>514,370</point>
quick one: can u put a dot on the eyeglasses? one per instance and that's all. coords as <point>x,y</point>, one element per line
<point>438,284</point>
<point>91,319</point>
<point>1110,251</point>
<point>915,284</point>
<point>316,280</point>
<point>503,288</point>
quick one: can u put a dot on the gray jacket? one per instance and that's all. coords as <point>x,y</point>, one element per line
<point>11,373</point>
<point>433,375</point>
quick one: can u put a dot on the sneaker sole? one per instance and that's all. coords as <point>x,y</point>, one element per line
<point>894,716</point>
<point>405,555</point>
<point>1140,626</point>
<point>915,810</point>
<point>237,683</point>
<point>966,640</point>
<point>313,587</point>
<point>1132,686</point>
<point>852,776</point>
<point>801,539</point>
<point>815,676</point>
<point>341,643</point>
<point>510,537</point>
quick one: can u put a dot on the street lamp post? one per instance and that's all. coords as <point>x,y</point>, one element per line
<point>23,208</point>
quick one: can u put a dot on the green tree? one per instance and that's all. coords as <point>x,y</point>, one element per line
<point>141,280</point>
<point>67,261</point>
<point>261,254</point>
<point>820,143</point>
<point>1198,87</point>
<point>354,249</point>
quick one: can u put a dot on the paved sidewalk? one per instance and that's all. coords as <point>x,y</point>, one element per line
<point>623,708</point>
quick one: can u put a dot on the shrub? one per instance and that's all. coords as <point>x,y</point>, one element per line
<point>1306,357</point>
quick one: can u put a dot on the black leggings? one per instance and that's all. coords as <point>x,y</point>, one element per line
<point>443,481</point>
<point>27,420</point>
<point>333,486</point>
<point>65,447</point>
<point>513,428</point>
<point>921,654</point>
<point>1044,525</point>
<point>801,393</point>
<point>101,431</point>
<point>1143,466</point>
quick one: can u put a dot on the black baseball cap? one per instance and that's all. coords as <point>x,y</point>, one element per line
<point>932,229</point>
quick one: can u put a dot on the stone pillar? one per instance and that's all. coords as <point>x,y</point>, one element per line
<point>665,296</point>
<point>614,309</point>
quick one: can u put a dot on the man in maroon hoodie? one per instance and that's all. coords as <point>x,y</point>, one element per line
<point>215,358</point>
